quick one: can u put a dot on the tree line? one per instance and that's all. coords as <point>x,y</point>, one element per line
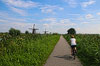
<point>16,32</point>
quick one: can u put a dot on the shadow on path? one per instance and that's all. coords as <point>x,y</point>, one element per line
<point>65,57</point>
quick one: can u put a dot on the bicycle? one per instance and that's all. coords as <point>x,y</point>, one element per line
<point>74,53</point>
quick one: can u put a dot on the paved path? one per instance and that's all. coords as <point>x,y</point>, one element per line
<point>61,55</point>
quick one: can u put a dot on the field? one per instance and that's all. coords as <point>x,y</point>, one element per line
<point>88,46</point>
<point>26,49</point>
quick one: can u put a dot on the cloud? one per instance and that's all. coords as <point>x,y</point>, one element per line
<point>59,26</point>
<point>2,20</point>
<point>74,14</point>
<point>64,21</point>
<point>53,22</point>
<point>85,22</point>
<point>11,19</point>
<point>78,28</point>
<point>80,18</point>
<point>50,9</point>
<point>48,20</point>
<point>89,16</point>
<point>7,16</point>
<point>19,6</point>
<point>90,29</point>
<point>85,4</point>
<point>98,13</point>
<point>72,3</point>
<point>5,25</point>
<point>19,11</point>
<point>20,3</point>
<point>46,25</point>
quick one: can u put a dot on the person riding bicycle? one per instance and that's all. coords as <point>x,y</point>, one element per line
<point>73,43</point>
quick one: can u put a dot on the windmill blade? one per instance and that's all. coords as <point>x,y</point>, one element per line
<point>30,28</point>
<point>33,29</point>
<point>33,26</point>
<point>36,29</point>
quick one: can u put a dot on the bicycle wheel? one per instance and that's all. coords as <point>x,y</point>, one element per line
<point>74,54</point>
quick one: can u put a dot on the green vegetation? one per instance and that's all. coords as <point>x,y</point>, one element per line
<point>88,47</point>
<point>14,32</point>
<point>71,31</point>
<point>26,32</point>
<point>26,49</point>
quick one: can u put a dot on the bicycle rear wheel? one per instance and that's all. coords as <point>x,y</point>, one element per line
<point>74,54</point>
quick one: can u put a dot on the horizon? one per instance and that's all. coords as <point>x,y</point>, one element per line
<point>54,16</point>
<point>48,32</point>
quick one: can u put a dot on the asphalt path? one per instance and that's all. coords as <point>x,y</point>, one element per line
<point>61,55</point>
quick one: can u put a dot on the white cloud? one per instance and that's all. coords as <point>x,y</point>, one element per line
<point>85,22</point>
<point>89,16</point>
<point>64,21</point>
<point>53,22</point>
<point>11,20</point>
<point>50,9</point>
<point>4,14</point>
<point>78,28</point>
<point>20,3</point>
<point>80,18</point>
<point>19,11</point>
<point>5,25</point>
<point>2,20</point>
<point>46,25</point>
<point>60,8</point>
<point>7,16</point>
<point>19,6</point>
<point>98,13</point>
<point>85,4</point>
<point>16,4</point>
<point>72,3</point>
<point>90,29</point>
<point>48,20</point>
<point>74,14</point>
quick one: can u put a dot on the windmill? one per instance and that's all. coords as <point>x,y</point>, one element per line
<point>33,29</point>
<point>45,32</point>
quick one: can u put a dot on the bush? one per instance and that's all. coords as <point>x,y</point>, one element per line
<point>26,32</point>
<point>55,33</point>
<point>14,32</point>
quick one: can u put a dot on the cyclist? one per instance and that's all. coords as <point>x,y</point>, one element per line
<point>73,43</point>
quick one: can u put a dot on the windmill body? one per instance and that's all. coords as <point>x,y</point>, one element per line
<point>33,29</point>
<point>45,32</point>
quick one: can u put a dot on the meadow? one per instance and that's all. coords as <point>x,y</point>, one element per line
<point>88,48</point>
<point>26,49</point>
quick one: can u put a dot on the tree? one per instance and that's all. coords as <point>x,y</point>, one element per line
<point>26,32</point>
<point>14,32</point>
<point>71,31</point>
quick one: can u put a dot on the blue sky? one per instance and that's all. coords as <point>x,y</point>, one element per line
<point>54,15</point>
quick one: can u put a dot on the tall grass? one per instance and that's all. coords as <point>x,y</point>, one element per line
<point>88,46</point>
<point>26,50</point>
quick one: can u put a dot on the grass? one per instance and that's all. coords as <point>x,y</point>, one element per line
<point>26,50</point>
<point>88,46</point>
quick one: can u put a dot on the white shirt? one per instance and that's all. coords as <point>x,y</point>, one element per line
<point>73,41</point>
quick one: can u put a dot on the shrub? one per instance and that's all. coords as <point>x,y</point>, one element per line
<point>26,32</point>
<point>14,32</point>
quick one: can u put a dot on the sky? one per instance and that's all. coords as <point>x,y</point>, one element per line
<point>52,15</point>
